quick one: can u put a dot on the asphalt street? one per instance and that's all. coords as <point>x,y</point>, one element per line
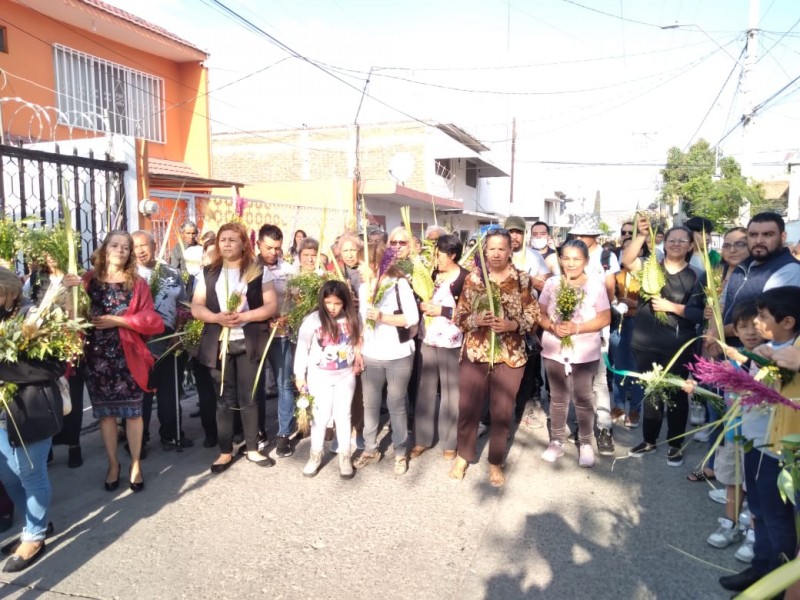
<point>627,529</point>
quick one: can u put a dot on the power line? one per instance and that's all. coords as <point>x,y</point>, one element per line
<point>612,15</point>
<point>714,101</point>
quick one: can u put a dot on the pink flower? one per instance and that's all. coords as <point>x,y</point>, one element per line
<point>725,375</point>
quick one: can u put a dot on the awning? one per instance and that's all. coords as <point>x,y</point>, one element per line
<point>174,174</point>
<point>393,192</point>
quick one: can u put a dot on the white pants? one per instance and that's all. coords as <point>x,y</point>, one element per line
<point>333,394</point>
<point>602,399</point>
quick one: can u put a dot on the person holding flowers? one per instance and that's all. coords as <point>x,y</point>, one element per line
<point>496,309</point>
<point>326,363</point>
<point>31,413</point>
<point>575,310</point>
<point>389,312</point>
<point>666,320</point>
<point>118,363</point>
<point>436,416</point>
<point>234,298</point>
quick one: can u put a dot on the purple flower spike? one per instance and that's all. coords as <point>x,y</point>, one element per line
<point>725,375</point>
<point>389,254</point>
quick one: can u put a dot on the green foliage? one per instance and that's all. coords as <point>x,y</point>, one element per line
<point>690,177</point>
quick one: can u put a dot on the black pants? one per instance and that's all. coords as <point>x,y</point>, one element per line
<point>237,397</point>
<point>676,404</point>
<point>70,433</point>
<point>163,379</point>
<point>531,382</point>
<point>207,396</point>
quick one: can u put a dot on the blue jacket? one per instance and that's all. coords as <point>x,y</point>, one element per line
<point>748,280</point>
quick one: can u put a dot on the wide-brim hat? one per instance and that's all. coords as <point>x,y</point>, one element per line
<point>586,224</point>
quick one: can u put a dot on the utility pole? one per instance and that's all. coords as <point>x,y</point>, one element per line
<point>747,86</point>
<point>513,157</point>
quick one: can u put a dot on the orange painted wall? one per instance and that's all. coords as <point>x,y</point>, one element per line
<point>31,36</point>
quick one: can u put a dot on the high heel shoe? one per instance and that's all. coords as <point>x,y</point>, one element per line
<point>136,487</point>
<point>112,485</point>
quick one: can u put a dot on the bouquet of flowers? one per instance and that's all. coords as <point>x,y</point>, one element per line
<point>10,241</point>
<point>191,332</point>
<point>302,293</point>
<point>382,286</point>
<point>568,299</point>
<point>489,302</point>
<point>304,412</point>
<point>235,301</point>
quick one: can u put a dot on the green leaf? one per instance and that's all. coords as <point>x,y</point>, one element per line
<point>786,486</point>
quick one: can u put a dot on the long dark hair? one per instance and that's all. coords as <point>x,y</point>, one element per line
<point>248,256</point>
<point>100,260</point>
<point>340,290</point>
<point>293,249</point>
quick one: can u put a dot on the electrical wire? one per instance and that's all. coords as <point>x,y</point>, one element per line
<point>714,101</point>
<point>612,15</point>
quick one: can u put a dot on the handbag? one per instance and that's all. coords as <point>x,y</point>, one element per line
<point>405,334</point>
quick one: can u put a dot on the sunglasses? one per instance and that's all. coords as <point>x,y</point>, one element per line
<point>627,232</point>
<point>398,243</point>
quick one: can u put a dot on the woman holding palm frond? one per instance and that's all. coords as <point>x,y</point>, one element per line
<point>664,323</point>
<point>496,309</point>
<point>234,298</point>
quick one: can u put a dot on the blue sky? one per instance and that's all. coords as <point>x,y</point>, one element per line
<point>585,87</point>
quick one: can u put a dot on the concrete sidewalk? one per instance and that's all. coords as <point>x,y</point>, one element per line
<point>554,531</point>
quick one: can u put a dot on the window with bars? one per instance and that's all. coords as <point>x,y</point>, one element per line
<point>97,94</point>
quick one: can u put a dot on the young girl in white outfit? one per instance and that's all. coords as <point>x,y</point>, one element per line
<point>326,362</point>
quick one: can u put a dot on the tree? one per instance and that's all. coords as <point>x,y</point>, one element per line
<point>690,177</point>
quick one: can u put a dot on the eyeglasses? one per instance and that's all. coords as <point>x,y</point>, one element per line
<point>677,241</point>
<point>740,245</point>
<point>398,243</point>
<point>627,232</point>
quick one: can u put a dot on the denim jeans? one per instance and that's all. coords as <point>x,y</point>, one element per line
<point>281,359</point>
<point>623,361</point>
<point>775,532</point>
<point>395,374</point>
<point>28,486</point>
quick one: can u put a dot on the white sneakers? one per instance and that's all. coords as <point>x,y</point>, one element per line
<point>554,451</point>
<point>313,464</point>
<point>586,458</point>
<point>727,533</point>
<point>720,496</point>
<point>745,551</point>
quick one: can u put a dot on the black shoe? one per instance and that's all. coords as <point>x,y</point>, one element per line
<point>284,447</point>
<point>17,563</point>
<point>674,457</point>
<point>12,545</point>
<point>136,487</point>
<point>641,450</point>
<point>112,485</point>
<point>75,459</point>
<point>209,442</point>
<point>740,581</point>
<point>605,443</point>
<point>168,445</point>
<point>217,468</point>
<point>267,462</point>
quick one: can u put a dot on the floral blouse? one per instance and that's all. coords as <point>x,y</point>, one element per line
<point>518,304</point>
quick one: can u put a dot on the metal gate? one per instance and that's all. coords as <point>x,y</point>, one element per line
<point>32,182</point>
<point>209,212</point>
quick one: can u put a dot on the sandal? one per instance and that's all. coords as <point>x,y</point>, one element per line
<point>366,459</point>
<point>700,475</point>
<point>496,476</point>
<point>459,469</point>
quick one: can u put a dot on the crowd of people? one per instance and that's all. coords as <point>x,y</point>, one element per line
<point>511,320</point>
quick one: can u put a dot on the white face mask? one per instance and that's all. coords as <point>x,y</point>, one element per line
<point>539,243</point>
